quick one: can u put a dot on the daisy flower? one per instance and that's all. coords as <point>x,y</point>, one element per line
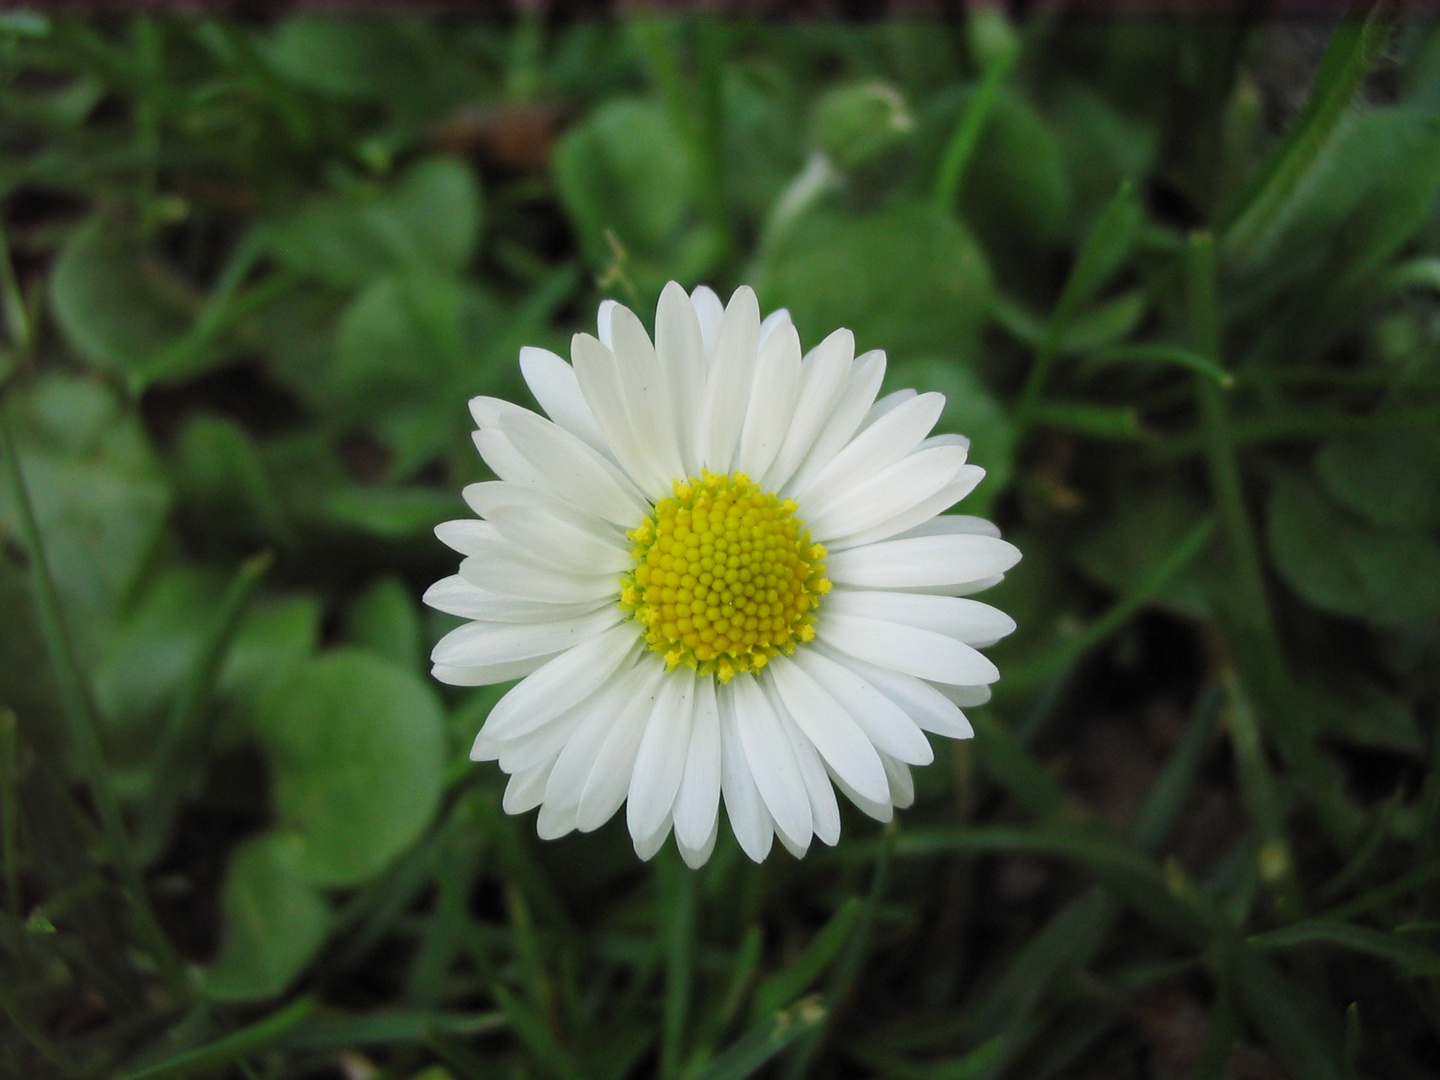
<point>719,569</point>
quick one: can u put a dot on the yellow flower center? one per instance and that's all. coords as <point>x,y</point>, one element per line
<point>725,576</point>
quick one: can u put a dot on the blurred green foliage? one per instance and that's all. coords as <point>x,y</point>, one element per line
<point>1180,283</point>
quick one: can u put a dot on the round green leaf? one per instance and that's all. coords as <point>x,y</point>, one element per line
<point>106,301</point>
<point>274,921</point>
<point>429,221</point>
<point>1391,476</point>
<point>909,280</point>
<point>99,497</point>
<point>626,170</point>
<point>1388,577</point>
<point>356,746</point>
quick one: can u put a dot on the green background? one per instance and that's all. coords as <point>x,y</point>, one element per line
<point>1180,282</point>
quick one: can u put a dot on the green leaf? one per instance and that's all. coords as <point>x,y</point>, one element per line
<point>221,476</point>
<point>627,171</point>
<point>99,497</point>
<point>274,921</point>
<point>390,513</point>
<point>766,1039</point>
<point>1391,476</point>
<point>1304,1043</point>
<point>232,1047</point>
<point>349,58</point>
<point>1414,959</point>
<point>1352,707</point>
<point>785,986</point>
<point>430,220</point>
<point>357,749</point>
<point>1102,144</point>
<point>1251,222</point>
<point>972,410</point>
<point>151,651</point>
<point>277,633</point>
<point>109,300</point>
<point>836,270</point>
<point>1017,183</point>
<point>1387,577</point>
<point>383,618</point>
<point>1146,521</point>
<point>1105,249</point>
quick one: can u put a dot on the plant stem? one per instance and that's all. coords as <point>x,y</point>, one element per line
<point>966,136</point>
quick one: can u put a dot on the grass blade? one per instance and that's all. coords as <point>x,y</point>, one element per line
<point>785,986</point>
<point>1254,218</point>
<point>677,885</point>
<point>187,736</point>
<point>83,722</point>
<point>232,1047</point>
<point>765,1040</point>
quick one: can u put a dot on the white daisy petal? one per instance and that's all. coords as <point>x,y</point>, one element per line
<point>467,536</point>
<point>604,385</point>
<point>547,528</point>
<point>554,822</point>
<point>478,643</point>
<point>777,319</point>
<point>504,460</point>
<point>727,387</point>
<point>824,809</point>
<point>561,684</point>
<point>609,779</point>
<point>486,674</point>
<point>571,469</point>
<point>772,401</point>
<point>646,847</point>
<point>660,761</point>
<point>575,761</point>
<point>719,571</point>
<point>846,749</point>
<point>772,762</point>
<point>648,396</point>
<point>456,596</point>
<point>967,697</point>
<point>556,388</point>
<point>885,405</point>
<point>877,447</point>
<point>924,562</point>
<point>542,744</point>
<point>906,522</point>
<point>908,649</point>
<point>891,492</point>
<point>710,313</point>
<point>902,783</point>
<point>823,377</point>
<point>501,567</point>
<point>965,620</point>
<point>744,805</point>
<point>681,352</point>
<point>865,377</point>
<point>697,803</point>
<point>696,857</point>
<point>526,789</point>
<point>952,525</point>
<point>923,703</point>
<point>888,727</point>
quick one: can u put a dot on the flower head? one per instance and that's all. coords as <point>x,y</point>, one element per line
<point>718,568</point>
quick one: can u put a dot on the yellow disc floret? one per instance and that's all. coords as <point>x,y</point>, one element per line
<point>725,576</point>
